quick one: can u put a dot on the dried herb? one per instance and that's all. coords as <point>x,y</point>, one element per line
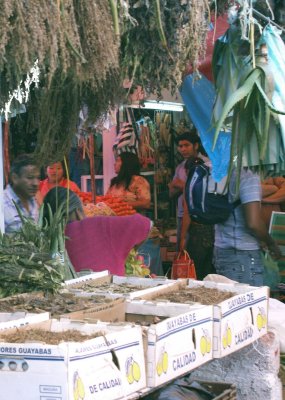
<point>85,49</point>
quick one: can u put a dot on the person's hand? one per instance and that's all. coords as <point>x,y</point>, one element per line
<point>274,251</point>
<point>279,181</point>
<point>129,196</point>
<point>182,245</point>
<point>178,183</point>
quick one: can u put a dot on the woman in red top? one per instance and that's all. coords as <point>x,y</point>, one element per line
<point>56,176</point>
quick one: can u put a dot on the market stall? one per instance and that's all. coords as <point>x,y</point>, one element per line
<point>100,335</point>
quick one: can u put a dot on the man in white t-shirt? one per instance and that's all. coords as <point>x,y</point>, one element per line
<point>238,241</point>
<point>21,191</point>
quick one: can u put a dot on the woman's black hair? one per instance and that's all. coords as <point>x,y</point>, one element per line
<point>56,197</point>
<point>129,168</point>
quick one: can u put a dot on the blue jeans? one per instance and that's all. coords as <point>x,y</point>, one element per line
<point>244,266</point>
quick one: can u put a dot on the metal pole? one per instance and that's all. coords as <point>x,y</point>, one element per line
<point>1,180</point>
<point>92,167</point>
<point>258,14</point>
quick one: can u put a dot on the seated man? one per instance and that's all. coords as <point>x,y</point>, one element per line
<point>23,186</point>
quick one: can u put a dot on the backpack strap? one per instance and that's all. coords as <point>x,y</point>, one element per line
<point>236,203</point>
<point>191,164</point>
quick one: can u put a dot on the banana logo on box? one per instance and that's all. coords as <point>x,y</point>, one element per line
<point>261,320</point>
<point>78,387</point>
<point>227,337</point>
<point>205,342</point>
<point>133,371</point>
<point>162,364</point>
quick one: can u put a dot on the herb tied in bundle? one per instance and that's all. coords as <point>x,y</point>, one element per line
<point>78,55</point>
<point>26,268</point>
<point>168,36</point>
<point>86,49</point>
<point>34,259</point>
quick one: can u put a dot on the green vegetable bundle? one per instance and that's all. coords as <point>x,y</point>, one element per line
<point>35,259</point>
<point>23,268</point>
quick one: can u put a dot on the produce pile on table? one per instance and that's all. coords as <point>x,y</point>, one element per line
<point>91,210</point>
<point>105,205</point>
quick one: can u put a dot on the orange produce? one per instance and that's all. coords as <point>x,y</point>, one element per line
<point>117,205</point>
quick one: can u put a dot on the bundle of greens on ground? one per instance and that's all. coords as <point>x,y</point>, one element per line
<point>34,259</point>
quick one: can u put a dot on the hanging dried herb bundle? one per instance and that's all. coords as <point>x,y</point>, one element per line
<point>169,35</point>
<point>100,45</point>
<point>69,34</point>
<point>86,48</point>
<point>78,55</point>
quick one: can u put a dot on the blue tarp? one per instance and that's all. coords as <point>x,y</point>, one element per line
<point>276,53</point>
<point>198,97</point>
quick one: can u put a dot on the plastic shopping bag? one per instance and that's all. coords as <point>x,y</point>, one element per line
<point>183,266</point>
<point>271,274</point>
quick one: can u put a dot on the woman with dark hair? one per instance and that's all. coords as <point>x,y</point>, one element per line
<point>56,176</point>
<point>133,188</point>
<point>128,184</point>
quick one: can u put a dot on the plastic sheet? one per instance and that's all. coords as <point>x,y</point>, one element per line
<point>183,389</point>
<point>276,53</point>
<point>151,247</point>
<point>199,96</point>
<point>271,275</point>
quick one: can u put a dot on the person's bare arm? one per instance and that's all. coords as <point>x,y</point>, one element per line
<point>258,228</point>
<point>140,203</point>
<point>176,187</point>
<point>186,220</point>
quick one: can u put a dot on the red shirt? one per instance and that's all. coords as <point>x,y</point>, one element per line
<point>45,186</point>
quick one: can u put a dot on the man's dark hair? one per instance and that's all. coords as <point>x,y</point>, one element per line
<point>21,162</point>
<point>129,168</point>
<point>191,136</point>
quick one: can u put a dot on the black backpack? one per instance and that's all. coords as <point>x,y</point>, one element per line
<point>207,200</point>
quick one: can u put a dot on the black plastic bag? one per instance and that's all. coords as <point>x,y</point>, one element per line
<point>182,389</point>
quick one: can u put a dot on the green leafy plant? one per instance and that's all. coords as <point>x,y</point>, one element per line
<point>35,258</point>
<point>251,112</point>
